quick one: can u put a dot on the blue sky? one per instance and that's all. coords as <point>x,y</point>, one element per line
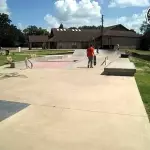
<point>50,13</point>
<point>30,11</point>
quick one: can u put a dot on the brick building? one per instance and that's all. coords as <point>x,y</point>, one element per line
<point>81,38</point>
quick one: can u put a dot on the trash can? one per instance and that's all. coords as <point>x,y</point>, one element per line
<point>12,65</point>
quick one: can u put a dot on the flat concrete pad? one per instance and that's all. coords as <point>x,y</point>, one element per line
<point>72,89</point>
<point>74,109</point>
<point>122,66</point>
<point>40,127</point>
<point>79,53</point>
<point>51,64</point>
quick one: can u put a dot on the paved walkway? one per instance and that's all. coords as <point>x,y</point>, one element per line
<point>76,109</point>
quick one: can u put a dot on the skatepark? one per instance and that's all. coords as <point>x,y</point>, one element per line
<point>61,104</point>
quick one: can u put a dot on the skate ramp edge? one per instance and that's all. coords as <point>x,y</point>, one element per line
<point>79,53</point>
<point>120,67</point>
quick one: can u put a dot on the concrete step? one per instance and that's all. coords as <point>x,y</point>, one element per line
<point>120,67</point>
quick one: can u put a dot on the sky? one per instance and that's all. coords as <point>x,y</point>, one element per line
<point>51,13</point>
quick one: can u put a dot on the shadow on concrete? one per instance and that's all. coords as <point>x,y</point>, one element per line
<point>61,53</point>
<point>8,108</point>
<point>9,75</point>
<point>103,73</point>
<point>116,74</point>
<point>83,68</point>
<point>8,67</point>
<point>141,56</point>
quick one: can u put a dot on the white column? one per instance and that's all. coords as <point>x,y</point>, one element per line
<point>19,49</point>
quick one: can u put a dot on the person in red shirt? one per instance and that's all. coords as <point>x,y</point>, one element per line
<point>90,55</point>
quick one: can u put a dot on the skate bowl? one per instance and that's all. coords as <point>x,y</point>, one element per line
<point>120,67</point>
<point>66,61</point>
<point>49,58</point>
<point>59,61</point>
<point>63,58</point>
<point>79,53</point>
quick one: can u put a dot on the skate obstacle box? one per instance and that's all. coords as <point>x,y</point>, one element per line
<point>124,55</point>
<point>120,67</point>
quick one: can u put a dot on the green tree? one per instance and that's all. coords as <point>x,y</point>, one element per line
<point>73,28</point>
<point>145,40</point>
<point>4,24</point>
<point>34,30</point>
<point>86,27</point>
<point>9,34</point>
<point>61,26</point>
<point>90,27</point>
<point>42,31</point>
<point>144,27</point>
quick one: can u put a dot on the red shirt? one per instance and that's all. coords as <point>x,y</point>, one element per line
<point>90,51</point>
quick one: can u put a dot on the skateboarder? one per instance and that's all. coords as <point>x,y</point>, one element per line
<point>118,47</point>
<point>90,55</point>
<point>97,50</point>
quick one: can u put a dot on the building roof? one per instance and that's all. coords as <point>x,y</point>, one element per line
<point>75,35</point>
<point>38,38</point>
<point>121,33</point>
<point>88,34</point>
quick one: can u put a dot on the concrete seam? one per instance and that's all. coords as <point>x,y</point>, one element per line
<point>93,111</point>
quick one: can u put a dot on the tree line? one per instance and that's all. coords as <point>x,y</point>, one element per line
<point>145,40</point>
<point>11,36</point>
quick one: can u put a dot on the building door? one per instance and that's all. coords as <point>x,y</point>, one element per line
<point>84,45</point>
<point>110,42</point>
<point>74,45</point>
<point>53,45</point>
<point>60,46</point>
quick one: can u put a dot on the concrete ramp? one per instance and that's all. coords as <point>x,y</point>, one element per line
<point>79,53</point>
<point>120,67</point>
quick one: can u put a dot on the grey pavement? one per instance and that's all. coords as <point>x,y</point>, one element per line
<point>74,109</point>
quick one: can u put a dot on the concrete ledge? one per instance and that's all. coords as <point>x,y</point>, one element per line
<point>124,55</point>
<point>121,67</point>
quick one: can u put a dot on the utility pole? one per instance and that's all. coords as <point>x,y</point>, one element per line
<point>102,27</point>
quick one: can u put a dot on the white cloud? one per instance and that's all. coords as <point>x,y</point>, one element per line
<point>87,12</point>
<point>20,26</point>
<point>133,22</point>
<point>4,7</point>
<point>52,21</point>
<point>127,3</point>
<point>75,13</point>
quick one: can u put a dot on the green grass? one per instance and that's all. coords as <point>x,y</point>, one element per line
<point>22,55</point>
<point>143,81</point>
<point>142,76</point>
<point>3,59</point>
<point>142,52</point>
<point>45,52</point>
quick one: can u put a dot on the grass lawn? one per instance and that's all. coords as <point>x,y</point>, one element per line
<point>22,55</point>
<point>142,52</point>
<point>3,59</point>
<point>143,80</point>
<point>45,52</point>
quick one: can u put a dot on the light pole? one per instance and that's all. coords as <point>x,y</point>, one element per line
<point>93,41</point>
<point>102,27</point>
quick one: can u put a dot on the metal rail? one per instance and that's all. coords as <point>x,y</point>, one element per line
<point>105,60</point>
<point>26,63</point>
